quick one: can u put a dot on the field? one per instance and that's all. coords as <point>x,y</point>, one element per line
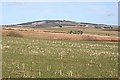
<point>89,34</point>
<point>93,31</point>
<point>37,58</point>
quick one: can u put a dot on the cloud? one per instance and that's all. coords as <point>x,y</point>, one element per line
<point>110,14</point>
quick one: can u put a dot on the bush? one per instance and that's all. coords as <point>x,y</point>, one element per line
<point>76,32</point>
<point>14,34</point>
<point>71,32</point>
<point>60,26</point>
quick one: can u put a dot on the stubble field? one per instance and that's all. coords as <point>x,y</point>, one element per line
<point>35,58</point>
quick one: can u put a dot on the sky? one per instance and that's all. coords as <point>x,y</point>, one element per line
<point>91,12</point>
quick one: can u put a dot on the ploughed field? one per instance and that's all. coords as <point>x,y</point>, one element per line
<point>35,58</point>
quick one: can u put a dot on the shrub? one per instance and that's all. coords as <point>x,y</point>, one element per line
<point>76,32</point>
<point>71,32</point>
<point>60,26</point>
<point>81,32</point>
<point>14,34</point>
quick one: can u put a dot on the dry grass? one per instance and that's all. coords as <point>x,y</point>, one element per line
<point>14,34</point>
<point>54,35</point>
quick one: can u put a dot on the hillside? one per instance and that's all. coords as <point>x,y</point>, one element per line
<point>49,23</point>
<point>60,23</point>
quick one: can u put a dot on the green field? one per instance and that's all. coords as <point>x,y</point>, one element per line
<point>34,58</point>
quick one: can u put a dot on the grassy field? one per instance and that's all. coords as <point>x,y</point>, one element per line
<point>92,31</point>
<point>60,34</point>
<point>35,58</point>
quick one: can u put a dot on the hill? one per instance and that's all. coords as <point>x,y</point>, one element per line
<point>60,23</point>
<point>49,23</point>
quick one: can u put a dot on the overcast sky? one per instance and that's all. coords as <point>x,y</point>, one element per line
<point>95,12</point>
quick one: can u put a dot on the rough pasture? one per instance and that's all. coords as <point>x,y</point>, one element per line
<point>34,58</point>
<point>57,35</point>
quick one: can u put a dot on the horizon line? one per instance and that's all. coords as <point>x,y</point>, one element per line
<point>63,20</point>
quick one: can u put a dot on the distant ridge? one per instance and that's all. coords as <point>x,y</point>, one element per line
<point>57,23</point>
<point>51,23</point>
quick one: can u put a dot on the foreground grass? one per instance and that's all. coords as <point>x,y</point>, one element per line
<point>56,59</point>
